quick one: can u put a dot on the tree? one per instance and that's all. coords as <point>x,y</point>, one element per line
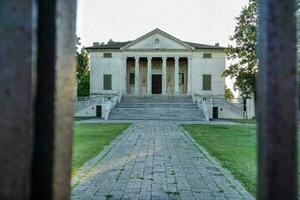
<point>245,69</point>
<point>83,89</point>
<point>82,72</point>
<point>78,43</point>
<point>82,63</point>
<point>228,94</point>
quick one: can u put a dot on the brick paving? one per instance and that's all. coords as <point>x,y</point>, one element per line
<point>157,160</point>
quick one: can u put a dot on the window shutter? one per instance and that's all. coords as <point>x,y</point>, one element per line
<point>206,82</point>
<point>107,82</point>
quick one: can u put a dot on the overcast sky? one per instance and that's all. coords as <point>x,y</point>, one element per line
<point>202,21</point>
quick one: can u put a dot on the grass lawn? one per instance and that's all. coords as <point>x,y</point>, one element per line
<point>234,146</point>
<point>90,139</point>
<point>243,121</point>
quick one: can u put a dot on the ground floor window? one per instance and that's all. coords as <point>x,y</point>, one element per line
<point>206,82</point>
<point>107,82</point>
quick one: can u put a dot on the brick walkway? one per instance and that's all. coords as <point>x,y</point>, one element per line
<point>156,160</point>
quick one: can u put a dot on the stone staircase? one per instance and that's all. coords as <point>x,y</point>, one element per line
<point>179,108</point>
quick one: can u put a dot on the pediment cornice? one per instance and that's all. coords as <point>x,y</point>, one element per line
<point>164,34</point>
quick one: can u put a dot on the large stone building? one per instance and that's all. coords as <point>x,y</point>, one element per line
<point>151,68</point>
<point>157,63</point>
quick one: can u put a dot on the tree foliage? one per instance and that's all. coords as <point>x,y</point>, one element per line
<point>82,63</point>
<point>83,88</point>
<point>82,72</point>
<point>245,68</point>
<point>228,94</point>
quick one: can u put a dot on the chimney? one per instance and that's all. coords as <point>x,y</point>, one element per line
<point>95,44</point>
<point>217,45</point>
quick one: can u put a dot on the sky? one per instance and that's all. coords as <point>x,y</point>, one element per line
<point>200,21</point>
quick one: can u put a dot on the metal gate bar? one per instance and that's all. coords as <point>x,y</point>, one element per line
<point>17,61</point>
<point>54,102</point>
<point>277,100</point>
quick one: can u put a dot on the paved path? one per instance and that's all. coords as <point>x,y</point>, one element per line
<point>156,160</point>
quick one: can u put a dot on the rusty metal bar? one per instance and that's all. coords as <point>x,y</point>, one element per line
<point>17,60</point>
<point>54,102</point>
<point>277,101</point>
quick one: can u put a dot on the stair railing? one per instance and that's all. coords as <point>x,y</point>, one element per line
<point>230,106</point>
<point>205,110</point>
<point>202,106</point>
<point>109,104</point>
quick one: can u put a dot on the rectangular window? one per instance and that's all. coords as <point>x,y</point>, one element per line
<point>107,82</point>
<point>181,78</point>
<point>131,78</point>
<point>107,55</point>
<point>207,55</point>
<point>206,82</point>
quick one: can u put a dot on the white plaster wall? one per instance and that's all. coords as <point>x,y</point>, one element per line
<point>214,66</point>
<point>100,66</point>
<point>227,114</point>
<point>164,43</point>
<point>87,112</point>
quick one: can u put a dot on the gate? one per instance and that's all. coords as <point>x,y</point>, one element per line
<point>37,45</point>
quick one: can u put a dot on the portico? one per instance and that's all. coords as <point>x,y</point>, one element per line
<point>165,75</point>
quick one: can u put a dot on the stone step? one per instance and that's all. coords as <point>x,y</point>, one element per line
<point>157,108</point>
<point>158,105</point>
<point>156,114</point>
<point>160,99</point>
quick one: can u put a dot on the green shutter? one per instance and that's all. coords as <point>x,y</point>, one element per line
<point>107,82</point>
<point>206,82</point>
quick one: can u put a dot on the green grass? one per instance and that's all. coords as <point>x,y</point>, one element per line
<point>234,146</point>
<point>82,118</point>
<point>243,121</point>
<point>90,139</point>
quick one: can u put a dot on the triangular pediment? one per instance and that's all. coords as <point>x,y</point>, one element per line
<point>157,39</point>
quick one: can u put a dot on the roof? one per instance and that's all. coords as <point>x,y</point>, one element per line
<point>111,45</point>
<point>120,45</point>
<point>204,46</point>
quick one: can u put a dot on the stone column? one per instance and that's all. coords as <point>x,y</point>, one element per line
<point>137,76</point>
<point>190,75</point>
<point>123,71</point>
<point>164,75</point>
<point>176,76</point>
<point>149,76</point>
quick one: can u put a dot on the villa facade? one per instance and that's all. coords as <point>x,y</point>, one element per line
<point>158,76</point>
<point>157,63</point>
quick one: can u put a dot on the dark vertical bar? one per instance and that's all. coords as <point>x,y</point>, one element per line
<point>54,104</point>
<point>277,100</point>
<point>42,169</point>
<point>17,60</point>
